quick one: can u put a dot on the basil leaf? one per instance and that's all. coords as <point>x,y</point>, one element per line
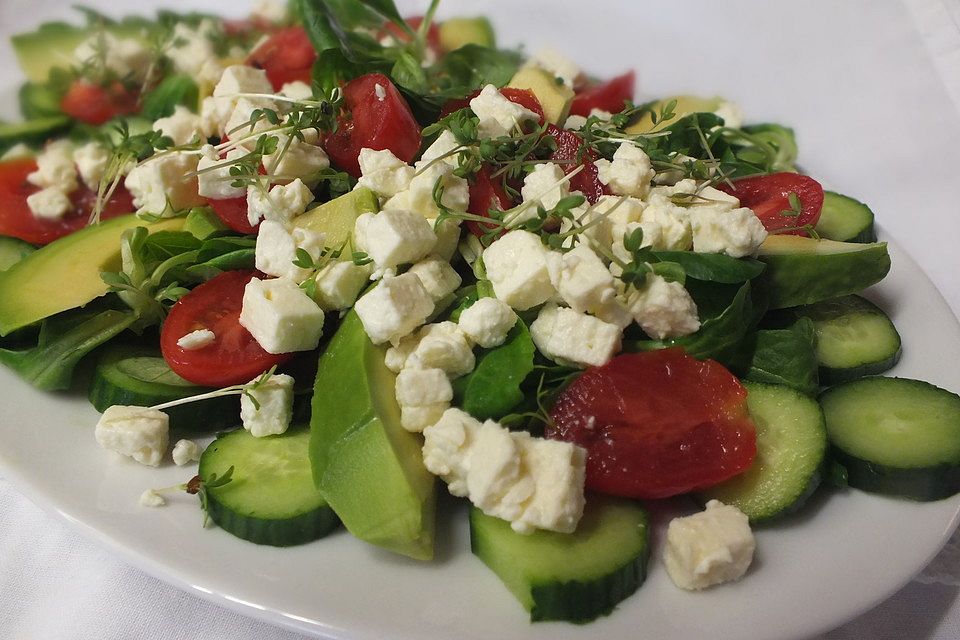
<point>473,66</point>
<point>388,10</point>
<point>177,89</point>
<point>785,356</point>
<point>713,267</point>
<point>492,389</point>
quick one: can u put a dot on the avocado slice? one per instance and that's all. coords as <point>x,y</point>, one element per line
<point>368,468</point>
<point>203,223</point>
<point>337,217</point>
<point>459,32</point>
<point>31,131</point>
<point>803,270</point>
<point>684,107</point>
<point>65,274</point>
<point>555,97</point>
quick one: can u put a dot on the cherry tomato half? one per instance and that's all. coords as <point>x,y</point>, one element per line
<point>233,213</point>
<point>234,357</point>
<point>18,221</point>
<point>607,96</point>
<point>657,424</point>
<point>569,157</point>
<point>373,122</point>
<point>486,193</point>
<point>287,56</point>
<point>93,104</point>
<point>769,197</point>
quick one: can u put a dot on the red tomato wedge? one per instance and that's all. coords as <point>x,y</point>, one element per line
<point>769,197</point>
<point>18,221</point>
<point>234,357</point>
<point>93,104</point>
<point>233,213</point>
<point>522,97</point>
<point>486,193</point>
<point>569,158</point>
<point>287,56</point>
<point>373,122</point>
<point>607,96</point>
<point>657,424</point>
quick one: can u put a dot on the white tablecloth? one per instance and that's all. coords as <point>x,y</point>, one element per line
<point>57,585</point>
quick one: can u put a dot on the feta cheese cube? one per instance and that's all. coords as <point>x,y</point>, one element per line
<point>629,173</point>
<point>183,126</point>
<point>243,125</point>
<point>584,281</point>
<point>267,407</point>
<point>91,159</point>
<point>282,203</point>
<point>487,322</point>
<point>609,217</point>
<point>272,11</point>
<point>673,220</point>
<point>498,116</point>
<point>708,548</point>
<point>277,249</point>
<point>394,237</point>
<point>663,309</point>
<point>544,186</point>
<point>416,419</point>
<point>419,387</point>
<point>297,90</point>
<point>241,78</point>
<point>437,276</point>
<point>55,167</point>
<point>126,57</point>
<point>394,308</point>
<point>280,316</point>
<point>418,196</point>
<point>339,283</point>
<point>448,237</point>
<point>564,335</point>
<point>557,64</point>
<point>213,177</point>
<point>734,232</point>
<point>516,265</point>
<point>197,339</point>
<point>192,52</point>
<point>140,433</point>
<point>443,147</point>
<point>165,184</point>
<point>150,498</point>
<point>302,159</point>
<point>574,122</point>
<point>185,452</point>
<point>49,203</point>
<point>383,173</point>
<point>530,482</point>
<point>443,346</point>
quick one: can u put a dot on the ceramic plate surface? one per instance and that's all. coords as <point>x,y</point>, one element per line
<point>847,98</point>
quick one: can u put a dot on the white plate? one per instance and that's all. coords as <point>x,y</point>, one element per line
<point>841,555</point>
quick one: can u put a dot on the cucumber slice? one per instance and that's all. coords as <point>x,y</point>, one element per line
<point>895,436</point>
<point>270,498</point>
<point>791,446</point>
<point>845,220</point>
<point>13,251</point>
<point>855,338</point>
<point>577,576</point>
<point>139,376</point>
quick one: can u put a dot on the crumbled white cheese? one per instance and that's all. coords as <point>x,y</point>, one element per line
<point>196,339</point>
<point>419,387</point>
<point>297,90</point>
<point>557,64</point>
<point>442,346</point>
<point>282,203</point>
<point>55,167</point>
<point>584,282</point>
<point>498,116</point>
<point>213,178</point>
<point>140,433</point>
<point>516,265</point>
<point>544,186</point>
<point>272,11</point>
<point>91,159</point>
<point>383,173</point>
<point>192,52</point>
<point>185,452</point>
<point>443,147</point>
<point>126,57</point>
<point>165,184</point>
<point>487,322</point>
<point>416,419</point>
<point>734,232</point>
<point>269,410</point>
<point>277,248</point>
<point>339,283</point>
<point>150,498</point>
<point>663,309</point>
<point>182,126</point>
<point>437,276</point>
<point>380,92</point>
<point>708,548</point>
<point>300,159</point>
<point>629,173</point>
<point>564,335</point>
<point>280,316</point>
<point>394,237</point>
<point>531,482</point>
<point>418,196</point>
<point>394,308</point>
<point>49,203</point>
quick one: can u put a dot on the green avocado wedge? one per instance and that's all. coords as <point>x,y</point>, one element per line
<point>65,274</point>
<point>803,270</point>
<point>367,467</point>
<point>337,217</point>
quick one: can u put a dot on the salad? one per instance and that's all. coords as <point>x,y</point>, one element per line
<point>392,252</point>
